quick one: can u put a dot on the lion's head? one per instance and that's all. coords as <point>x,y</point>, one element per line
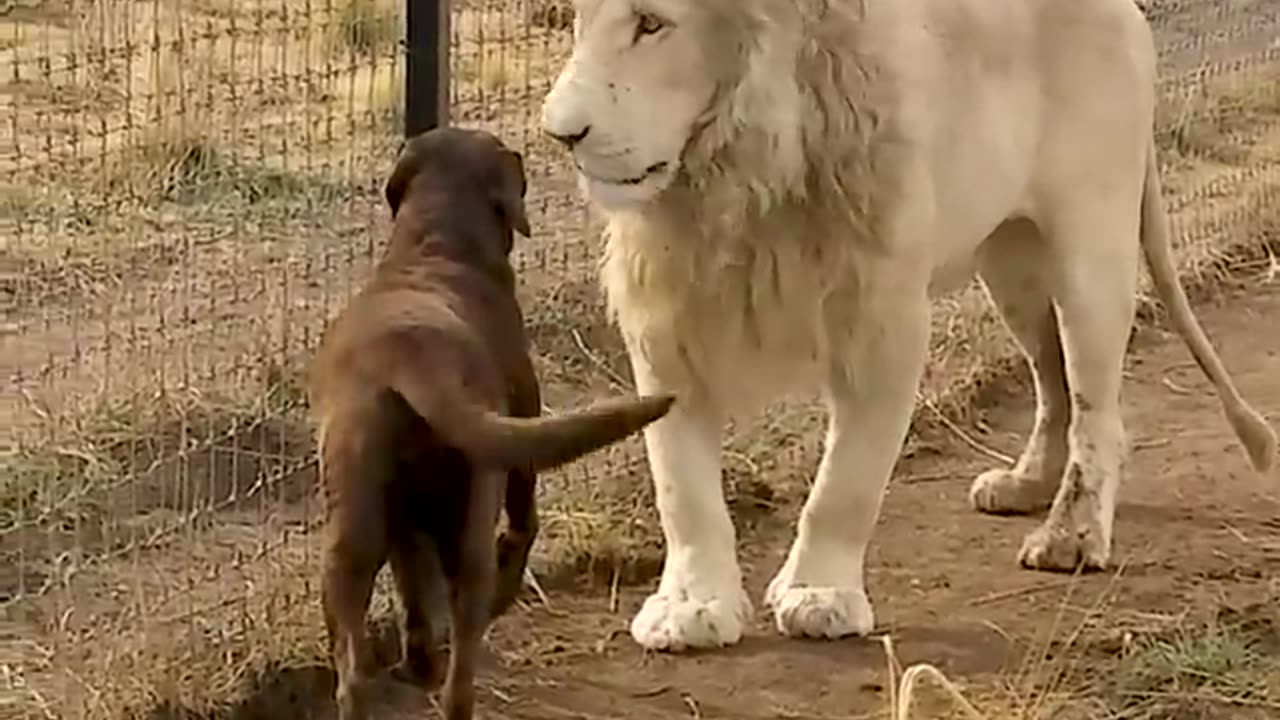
<point>660,89</point>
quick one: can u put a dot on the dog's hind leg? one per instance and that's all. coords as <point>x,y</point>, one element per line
<point>472,572</point>
<point>418,575</point>
<point>517,540</point>
<point>348,586</point>
<point>355,550</point>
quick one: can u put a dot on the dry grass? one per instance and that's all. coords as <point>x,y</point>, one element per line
<point>1163,668</point>
<point>1220,121</point>
<point>188,211</point>
<point>367,28</point>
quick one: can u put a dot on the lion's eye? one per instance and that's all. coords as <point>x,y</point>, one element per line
<point>648,24</point>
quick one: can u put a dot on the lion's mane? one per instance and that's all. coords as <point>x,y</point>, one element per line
<point>731,282</point>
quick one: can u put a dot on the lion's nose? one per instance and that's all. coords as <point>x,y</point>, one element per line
<point>569,139</point>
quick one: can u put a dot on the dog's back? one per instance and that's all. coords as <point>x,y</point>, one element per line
<point>466,372</point>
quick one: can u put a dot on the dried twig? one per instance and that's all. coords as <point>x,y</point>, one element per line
<point>926,477</point>
<point>901,693</point>
<point>613,589</point>
<point>532,581</point>
<point>1273,266</point>
<point>1019,592</point>
<point>652,692</point>
<point>965,437</point>
<point>617,380</point>
<point>692,704</point>
<point>1174,387</point>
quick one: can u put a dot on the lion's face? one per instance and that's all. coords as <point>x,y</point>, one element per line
<point>628,100</point>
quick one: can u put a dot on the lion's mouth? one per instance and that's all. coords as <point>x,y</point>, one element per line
<point>649,172</point>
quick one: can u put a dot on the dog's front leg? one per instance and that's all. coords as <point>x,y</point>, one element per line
<point>700,601</point>
<point>820,591</point>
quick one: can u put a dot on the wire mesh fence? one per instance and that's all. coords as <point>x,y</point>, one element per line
<point>192,187</point>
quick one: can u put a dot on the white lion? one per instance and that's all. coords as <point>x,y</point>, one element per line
<point>786,183</point>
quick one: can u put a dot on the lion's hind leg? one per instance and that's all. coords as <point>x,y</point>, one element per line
<point>1094,283</point>
<point>1013,264</point>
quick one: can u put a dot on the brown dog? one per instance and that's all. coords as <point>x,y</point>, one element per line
<point>426,404</point>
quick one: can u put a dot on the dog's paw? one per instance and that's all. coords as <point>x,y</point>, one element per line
<point>423,670</point>
<point>673,622</point>
<point>352,698</point>
<point>821,612</point>
<point>428,678</point>
<point>1005,492</point>
<point>513,558</point>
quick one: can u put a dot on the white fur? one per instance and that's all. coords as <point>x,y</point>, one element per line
<point>805,175</point>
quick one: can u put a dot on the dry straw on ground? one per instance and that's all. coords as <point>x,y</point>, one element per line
<point>1109,666</point>
<point>194,187</point>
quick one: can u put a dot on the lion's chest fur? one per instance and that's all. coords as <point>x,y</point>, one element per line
<point>738,316</point>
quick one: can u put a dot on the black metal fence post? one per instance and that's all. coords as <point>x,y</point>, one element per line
<point>426,86</point>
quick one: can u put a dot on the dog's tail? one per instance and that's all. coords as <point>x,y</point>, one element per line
<point>535,444</point>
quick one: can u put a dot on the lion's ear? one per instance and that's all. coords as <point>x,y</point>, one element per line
<point>407,166</point>
<point>509,191</point>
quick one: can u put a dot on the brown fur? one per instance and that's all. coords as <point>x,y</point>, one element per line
<point>427,409</point>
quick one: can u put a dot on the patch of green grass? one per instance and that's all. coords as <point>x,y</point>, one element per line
<point>1214,658</point>
<point>1210,670</point>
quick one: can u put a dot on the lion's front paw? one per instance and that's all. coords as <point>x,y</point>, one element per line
<point>819,612</point>
<point>831,607</point>
<point>675,621</point>
<point>1058,547</point>
<point>1003,491</point>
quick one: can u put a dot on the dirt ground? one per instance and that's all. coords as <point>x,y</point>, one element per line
<point>1197,536</point>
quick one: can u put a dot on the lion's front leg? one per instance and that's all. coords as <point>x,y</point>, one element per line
<point>819,592</point>
<point>700,601</point>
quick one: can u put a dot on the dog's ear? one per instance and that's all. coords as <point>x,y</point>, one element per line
<point>407,166</point>
<point>508,193</point>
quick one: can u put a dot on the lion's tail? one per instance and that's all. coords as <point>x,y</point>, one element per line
<point>1257,437</point>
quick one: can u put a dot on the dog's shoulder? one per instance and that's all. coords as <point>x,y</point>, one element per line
<point>485,301</point>
<point>427,306</point>
<point>384,317</point>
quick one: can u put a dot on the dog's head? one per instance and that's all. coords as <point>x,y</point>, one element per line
<point>472,161</point>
